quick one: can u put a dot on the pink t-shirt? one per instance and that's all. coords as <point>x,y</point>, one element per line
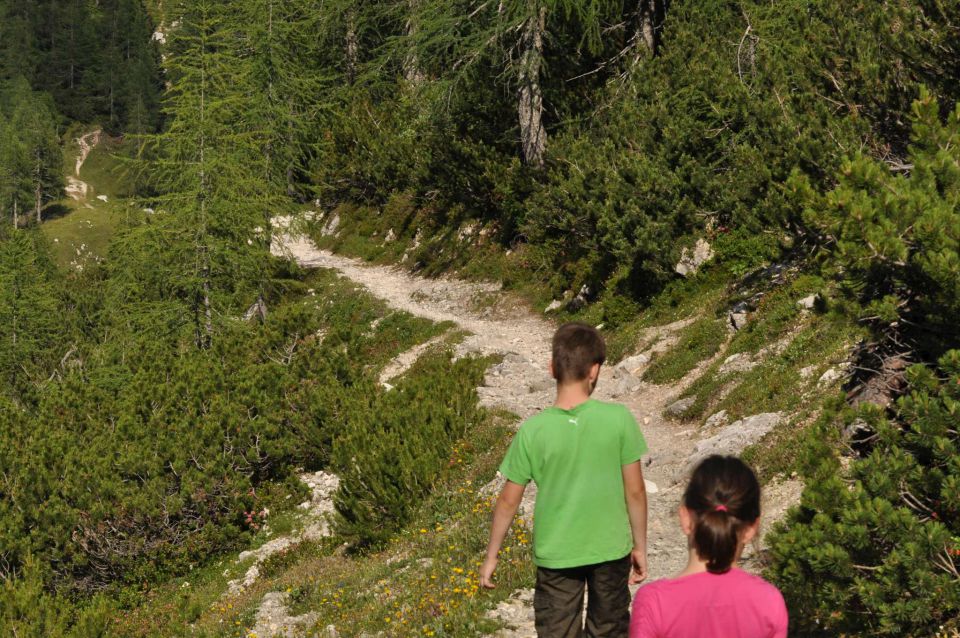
<point>731,605</point>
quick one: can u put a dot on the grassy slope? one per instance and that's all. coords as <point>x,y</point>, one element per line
<point>80,230</point>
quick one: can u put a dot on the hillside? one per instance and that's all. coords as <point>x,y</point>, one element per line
<point>278,278</point>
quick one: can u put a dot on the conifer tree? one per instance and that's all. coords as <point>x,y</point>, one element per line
<point>34,157</point>
<point>210,172</point>
<point>28,310</point>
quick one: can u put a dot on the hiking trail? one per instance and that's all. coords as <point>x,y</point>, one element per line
<point>77,188</point>
<point>520,383</point>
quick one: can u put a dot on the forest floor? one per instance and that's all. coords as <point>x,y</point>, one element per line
<point>500,324</point>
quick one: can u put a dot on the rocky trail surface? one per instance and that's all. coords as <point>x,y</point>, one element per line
<point>520,383</point>
<point>76,188</point>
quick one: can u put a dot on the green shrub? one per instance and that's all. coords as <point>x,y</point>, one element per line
<point>28,610</point>
<point>896,237</point>
<point>389,456</point>
<point>874,547</point>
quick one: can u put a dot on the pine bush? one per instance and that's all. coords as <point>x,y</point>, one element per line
<point>894,237</point>
<point>390,457</point>
<point>874,547</point>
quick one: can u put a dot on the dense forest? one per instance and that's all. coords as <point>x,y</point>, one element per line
<point>153,400</point>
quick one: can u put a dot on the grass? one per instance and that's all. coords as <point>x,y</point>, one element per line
<point>699,341</point>
<point>79,231</point>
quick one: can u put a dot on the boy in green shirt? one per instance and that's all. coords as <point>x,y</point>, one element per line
<point>590,519</point>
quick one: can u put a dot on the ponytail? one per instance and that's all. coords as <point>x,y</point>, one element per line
<point>724,497</point>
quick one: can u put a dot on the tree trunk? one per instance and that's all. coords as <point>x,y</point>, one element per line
<point>204,335</point>
<point>411,63</point>
<point>351,47</point>
<point>650,15</point>
<point>533,137</point>
<point>38,184</point>
<point>16,217</point>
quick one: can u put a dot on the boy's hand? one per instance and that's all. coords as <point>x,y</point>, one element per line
<point>503,513</point>
<point>638,558</point>
<point>486,573</point>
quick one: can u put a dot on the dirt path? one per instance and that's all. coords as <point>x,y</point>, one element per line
<point>76,188</point>
<point>521,384</point>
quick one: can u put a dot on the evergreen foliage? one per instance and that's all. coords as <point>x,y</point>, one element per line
<point>642,152</point>
<point>894,236</point>
<point>389,455</point>
<point>874,548</point>
<point>31,324</point>
<point>30,159</point>
<point>140,416</point>
<point>97,59</point>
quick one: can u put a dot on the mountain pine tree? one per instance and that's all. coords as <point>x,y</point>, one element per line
<point>895,235</point>
<point>874,548</point>
<point>30,317</point>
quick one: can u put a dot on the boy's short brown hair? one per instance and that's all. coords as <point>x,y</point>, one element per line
<point>576,347</point>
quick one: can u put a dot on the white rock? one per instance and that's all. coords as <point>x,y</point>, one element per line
<point>716,420</point>
<point>831,376</point>
<point>807,303</point>
<point>556,304</point>
<point>273,620</point>
<point>733,438</point>
<point>331,226</point>
<point>680,406</point>
<point>739,362</point>
<point>737,320</point>
<point>691,260</point>
<point>631,365</point>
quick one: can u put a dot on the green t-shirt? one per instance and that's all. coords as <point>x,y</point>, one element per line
<point>575,458</point>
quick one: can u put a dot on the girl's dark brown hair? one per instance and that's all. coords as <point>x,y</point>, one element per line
<point>724,498</point>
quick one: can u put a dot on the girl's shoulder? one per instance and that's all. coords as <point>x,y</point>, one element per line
<point>734,579</point>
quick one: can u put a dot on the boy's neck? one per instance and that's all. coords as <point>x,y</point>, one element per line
<point>570,395</point>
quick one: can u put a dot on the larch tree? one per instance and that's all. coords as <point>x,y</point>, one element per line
<point>33,121</point>
<point>210,171</point>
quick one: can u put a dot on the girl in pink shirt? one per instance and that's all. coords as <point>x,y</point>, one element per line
<point>712,598</point>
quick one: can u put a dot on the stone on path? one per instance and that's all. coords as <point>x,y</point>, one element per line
<point>733,438</point>
<point>677,408</point>
<point>516,613</point>
<point>274,621</point>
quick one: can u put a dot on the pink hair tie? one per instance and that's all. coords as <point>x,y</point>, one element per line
<point>720,508</point>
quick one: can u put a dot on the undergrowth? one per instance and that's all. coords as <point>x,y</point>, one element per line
<point>422,582</point>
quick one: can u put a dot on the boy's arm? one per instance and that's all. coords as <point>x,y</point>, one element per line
<point>503,512</point>
<point>636,496</point>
